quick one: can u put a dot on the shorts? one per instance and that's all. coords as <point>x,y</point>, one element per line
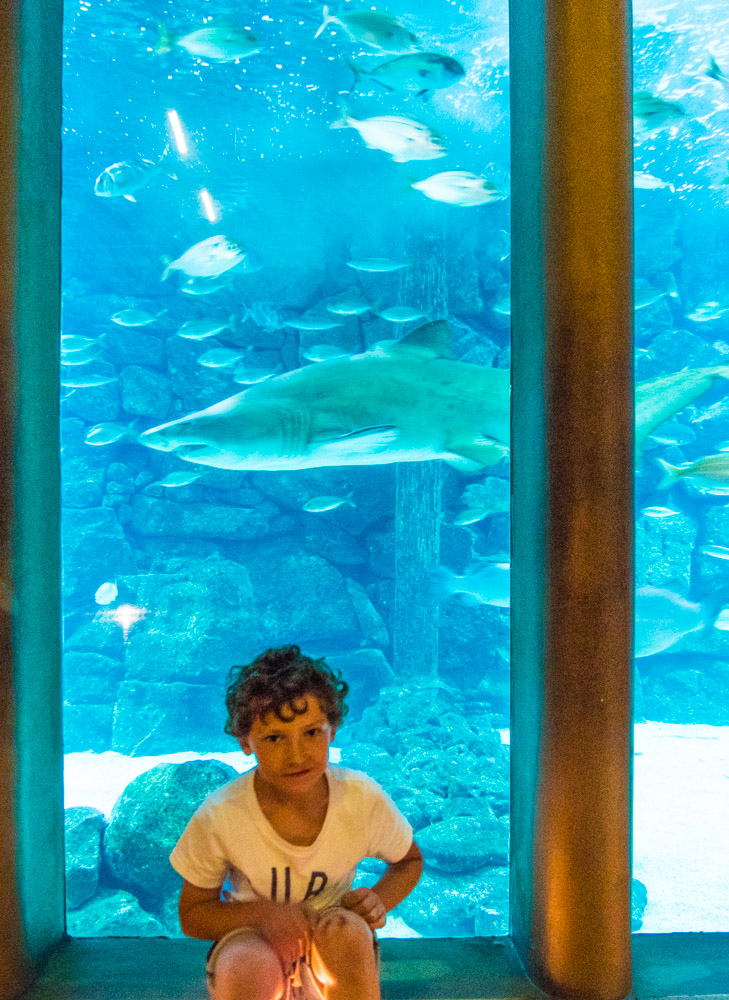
<point>302,984</point>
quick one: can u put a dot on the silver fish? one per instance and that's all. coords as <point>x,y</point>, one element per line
<point>403,138</point>
<point>647,182</point>
<point>207,259</point>
<point>323,352</point>
<point>401,314</point>
<point>312,323</point>
<point>716,551</point>
<point>220,357</point>
<point>71,343</point>
<point>206,286</point>
<point>654,112</point>
<point>321,504</point>
<point>659,512</point>
<point>105,433</point>
<point>417,73</point>
<point>124,179</point>
<point>708,311</point>
<point>348,306</point>
<point>181,478</point>
<point>471,516</point>
<point>135,317</point>
<point>219,42</point>
<point>86,381</point>
<point>663,617</point>
<point>460,187</point>
<point>201,329</point>
<point>376,265</point>
<point>482,583</point>
<point>377,29</point>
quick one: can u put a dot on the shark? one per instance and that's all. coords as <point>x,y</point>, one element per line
<point>407,401</point>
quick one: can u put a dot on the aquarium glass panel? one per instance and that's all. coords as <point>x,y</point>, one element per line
<point>284,412</point>
<point>681,53</point>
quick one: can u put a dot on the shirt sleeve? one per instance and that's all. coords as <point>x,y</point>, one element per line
<point>390,834</point>
<point>198,854</point>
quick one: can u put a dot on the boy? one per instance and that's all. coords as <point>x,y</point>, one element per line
<point>289,834</point>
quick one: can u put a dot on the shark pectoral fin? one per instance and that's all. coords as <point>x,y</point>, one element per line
<point>364,439</point>
<point>472,456</point>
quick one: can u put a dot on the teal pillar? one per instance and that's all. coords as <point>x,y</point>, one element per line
<point>571,736</point>
<point>31,801</point>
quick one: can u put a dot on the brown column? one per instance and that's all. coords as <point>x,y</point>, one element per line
<point>572,493</point>
<point>31,806</point>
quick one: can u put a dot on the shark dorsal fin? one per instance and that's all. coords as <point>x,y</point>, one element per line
<point>431,338</point>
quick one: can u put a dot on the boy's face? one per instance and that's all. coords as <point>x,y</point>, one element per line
<point>292,756</point>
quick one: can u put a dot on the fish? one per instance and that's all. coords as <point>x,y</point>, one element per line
<point>418,73</point>
<point>412,403</point>
<point>348,306</point>
<point>663,617</point>
<point>503,306</point>
<point>71,344</point>
<point>716,551</point>
<point>220,357</point>
<point>124,179</point>
<point>76,358</point>
<point>181,478</point>
<point>378,29</point>
<point>323,352</point>
<point>714,71</point>
<point>377,265</point>
<point>201,329</point>
<point>471,516</point>
<point>654,112</point>
<point>105,433</point>
<point>320,504</point>
<point>403,138</point>
<point>266,316</point>
<point>106,593</point>
<point>206,286</point>
<point>707,311</point>
<point>647,182</point>
<point>135,317</point>
<point>220,42</point>
<point>645,294</point>
<point>459,187</point>
<point>207,259</point>
<point>86,381</point>
<point>659,512</point>
<point>659,399</point>
<point>482,583</point>
<point>401,314</point>
<point>673,433</point>
<point>707,472</point>
<point>312,323</point>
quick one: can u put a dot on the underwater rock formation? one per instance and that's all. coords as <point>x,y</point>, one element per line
<point>83,829</point>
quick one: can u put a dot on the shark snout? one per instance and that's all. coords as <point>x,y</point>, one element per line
<point>169,437</point>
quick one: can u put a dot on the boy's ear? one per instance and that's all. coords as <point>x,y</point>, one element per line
<point>244,745</point>
<point>332,733</point>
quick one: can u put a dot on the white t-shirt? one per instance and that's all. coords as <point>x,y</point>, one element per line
<point>229,837</point>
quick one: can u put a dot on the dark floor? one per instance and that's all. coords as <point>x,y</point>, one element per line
<point>666,965</point>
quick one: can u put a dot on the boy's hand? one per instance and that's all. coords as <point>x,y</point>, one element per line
<point>365,902</point>
<point>287,928</point>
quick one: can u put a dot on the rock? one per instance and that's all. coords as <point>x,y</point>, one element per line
<point>663,550</point>
<point>90,678</point>
<point>300,598</point>
<point>147,821</point>
<point>98,636</point>
<point>370,621</point>
<point>666,347</point>
<point>169,717</point>
<point>82,484</point>
<point>160,517</point>
<point>94,549</point>
<point>95,403</point>
<point>145,393</point>
<point>83,828</point>
<point>371,759</point>
<point>458,906</point>
<point>638,903</point>
<point>113,914</point>
<point>195,385</point>
<point>464,845</point>
<point>87,728</point>
<point>686,688</point>
<point>334,544</point>
<point>366,671</point>
<point>133,346</point>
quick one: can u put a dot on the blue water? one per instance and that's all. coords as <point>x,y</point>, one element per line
<point>167,586</point>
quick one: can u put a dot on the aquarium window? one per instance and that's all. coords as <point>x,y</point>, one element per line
<point>681,61</point>
<point>284,415</point>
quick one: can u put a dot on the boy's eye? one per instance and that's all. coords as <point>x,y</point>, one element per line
<point>273,737</point>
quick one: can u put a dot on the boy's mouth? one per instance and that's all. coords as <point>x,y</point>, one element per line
<point>297,774</point>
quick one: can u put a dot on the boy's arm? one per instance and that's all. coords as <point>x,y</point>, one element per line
<point>399,880</point>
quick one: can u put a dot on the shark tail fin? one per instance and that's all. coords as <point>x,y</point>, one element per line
<point>342,122</point>
<point>713,605</point>
<point>328,19</point>
<point>441,583</point>
<point>167,261</point>
<point>672,473</point>
<point>165,42</point>
<point>712,69</point>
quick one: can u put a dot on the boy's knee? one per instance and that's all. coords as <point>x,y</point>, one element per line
<point>248,968</point>
<point>341,929</point>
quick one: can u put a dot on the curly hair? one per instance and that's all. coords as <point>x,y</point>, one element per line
<point>273,681</point>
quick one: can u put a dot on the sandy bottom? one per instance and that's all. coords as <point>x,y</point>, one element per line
<point>680,832</point>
